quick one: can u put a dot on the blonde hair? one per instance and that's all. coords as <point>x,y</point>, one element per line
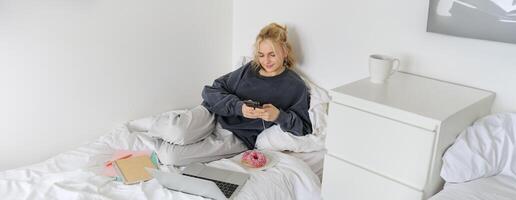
<point>277,34</point>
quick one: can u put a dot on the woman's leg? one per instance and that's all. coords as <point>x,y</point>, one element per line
<point>221,144</point>
<point>184,127</point>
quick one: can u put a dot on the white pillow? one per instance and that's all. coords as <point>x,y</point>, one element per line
<point>318,111</point>
<point>484,149</point>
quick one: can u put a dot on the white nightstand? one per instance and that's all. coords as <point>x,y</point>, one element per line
<point>385,141</point>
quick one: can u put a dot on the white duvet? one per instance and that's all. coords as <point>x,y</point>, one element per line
<point>75,175</point>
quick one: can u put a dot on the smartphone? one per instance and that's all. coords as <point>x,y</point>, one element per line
<point>253,104</point>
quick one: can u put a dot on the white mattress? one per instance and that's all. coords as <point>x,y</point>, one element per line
<point>75,175</point>
<point>492,188</point>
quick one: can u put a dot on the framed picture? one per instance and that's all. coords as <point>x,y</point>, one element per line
<point>481,19</point>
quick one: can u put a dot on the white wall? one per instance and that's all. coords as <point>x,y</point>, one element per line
<point>334,39</point>
<point>70,70</point>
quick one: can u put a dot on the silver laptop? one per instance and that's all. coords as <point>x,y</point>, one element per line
<point>202,180</point>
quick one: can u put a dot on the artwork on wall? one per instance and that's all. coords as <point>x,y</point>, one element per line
<point>481,19</point>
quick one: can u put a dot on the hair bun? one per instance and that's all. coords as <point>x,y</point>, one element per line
<point>284,27</point>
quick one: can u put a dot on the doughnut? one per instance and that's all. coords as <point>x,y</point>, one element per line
<point>254,159</point>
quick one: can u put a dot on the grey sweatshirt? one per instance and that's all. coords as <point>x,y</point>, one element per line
<point>286,91</point>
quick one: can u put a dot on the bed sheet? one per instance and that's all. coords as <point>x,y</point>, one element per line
<point>315,160</point>
<point>75,175</point>
<point>498,187</point>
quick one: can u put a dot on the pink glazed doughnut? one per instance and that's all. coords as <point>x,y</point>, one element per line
<point>254,159</point>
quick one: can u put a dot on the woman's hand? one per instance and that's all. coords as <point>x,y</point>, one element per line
<point>250,112</point>
<point>268,113</point>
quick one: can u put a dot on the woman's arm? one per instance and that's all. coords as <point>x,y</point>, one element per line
<point>296,119</point>
<point>220,98</point>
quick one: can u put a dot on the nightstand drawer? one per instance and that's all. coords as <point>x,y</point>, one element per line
<point>344,181</point>
<point>396,150</point>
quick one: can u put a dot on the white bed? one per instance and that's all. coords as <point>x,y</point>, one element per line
<point>491,188</point>
<point>76,175</point>
<point>481,164</point>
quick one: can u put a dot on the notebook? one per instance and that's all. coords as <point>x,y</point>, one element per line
<point>132,169</point>
<point>109,170</point>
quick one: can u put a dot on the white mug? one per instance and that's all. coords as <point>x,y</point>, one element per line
<point>381,67</point>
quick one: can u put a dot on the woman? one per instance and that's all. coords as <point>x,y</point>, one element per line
<point>268,79</point>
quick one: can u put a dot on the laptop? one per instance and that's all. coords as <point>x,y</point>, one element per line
<point>202,180</point>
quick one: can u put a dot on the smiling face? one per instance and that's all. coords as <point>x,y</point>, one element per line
<point>271,57</point>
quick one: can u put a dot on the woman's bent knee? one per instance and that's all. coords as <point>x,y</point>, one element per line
<point>184,127</point>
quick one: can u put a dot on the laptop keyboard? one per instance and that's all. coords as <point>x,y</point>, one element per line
<point>226,188</point>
